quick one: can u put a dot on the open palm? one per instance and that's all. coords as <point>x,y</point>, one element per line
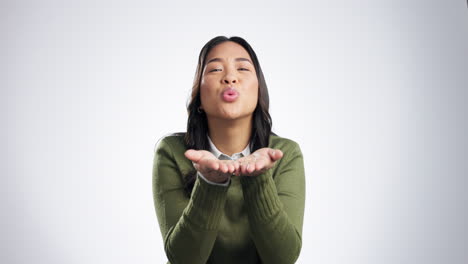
<point>258,162</point>
<point>213,169</point>
<point>216,170</point>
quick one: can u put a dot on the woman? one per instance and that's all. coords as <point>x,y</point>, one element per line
<point>229,190</point>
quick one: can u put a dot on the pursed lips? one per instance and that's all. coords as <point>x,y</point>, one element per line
<point>230,94</point>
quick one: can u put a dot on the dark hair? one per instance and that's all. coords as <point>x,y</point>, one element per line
<point>197,125</point>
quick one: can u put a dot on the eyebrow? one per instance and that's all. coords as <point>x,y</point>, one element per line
<point>237,59</point>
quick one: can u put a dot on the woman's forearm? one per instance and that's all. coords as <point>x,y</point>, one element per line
<point>192,238</point>
<point>276,238</point>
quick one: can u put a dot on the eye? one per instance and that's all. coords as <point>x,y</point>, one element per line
<point>214,70</point>
<point>245,69</point>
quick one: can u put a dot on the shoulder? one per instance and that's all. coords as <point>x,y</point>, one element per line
<point>292,160</point>
<point>174,142</point>
<point>284,144</point>
<point>172,147</point>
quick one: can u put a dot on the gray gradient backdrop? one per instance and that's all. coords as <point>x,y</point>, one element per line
<point>374,91</point>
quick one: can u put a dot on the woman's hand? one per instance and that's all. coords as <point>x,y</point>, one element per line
<point>258,162</point>
<point>213,169</point>
<point>219,171</point>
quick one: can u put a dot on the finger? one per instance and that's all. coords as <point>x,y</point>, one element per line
<point>213,165</point>
<point>231,167</point>
<point>275,154</point>
<point>242,168</point>
<point>223,167</point>
<point>260,165</point>
<point>251,167</point>
<point>237,168</point>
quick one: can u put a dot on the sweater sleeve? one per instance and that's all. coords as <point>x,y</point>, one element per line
<point>188,225</point>
<point>275,207</point>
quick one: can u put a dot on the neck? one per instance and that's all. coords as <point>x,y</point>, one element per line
<point>230,136</point>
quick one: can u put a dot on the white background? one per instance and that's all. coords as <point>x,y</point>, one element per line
<point>375,93</point>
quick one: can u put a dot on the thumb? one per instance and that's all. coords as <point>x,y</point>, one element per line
<point>275,154</point>
<point>193,155</point>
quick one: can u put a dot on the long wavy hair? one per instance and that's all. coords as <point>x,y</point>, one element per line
<point>197,124</point>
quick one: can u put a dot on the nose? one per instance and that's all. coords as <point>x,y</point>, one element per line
<point>229,77</point>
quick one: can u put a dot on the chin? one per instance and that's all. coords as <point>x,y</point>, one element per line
<point>229,116</point>
<point>230,113</point>
<point>234,115</point>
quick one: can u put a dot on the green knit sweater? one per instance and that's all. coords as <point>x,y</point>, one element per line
<point>253,220</point>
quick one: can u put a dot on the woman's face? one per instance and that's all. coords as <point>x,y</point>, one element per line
<point>229,84</point>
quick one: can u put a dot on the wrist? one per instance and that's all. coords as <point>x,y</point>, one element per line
<point>219,181</point>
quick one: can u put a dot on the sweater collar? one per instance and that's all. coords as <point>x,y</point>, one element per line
<point>222,156</point>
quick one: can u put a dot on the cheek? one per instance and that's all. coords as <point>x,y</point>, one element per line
<point>207,95</point>
<point>207,85</point>
<point>253,91</point>
<point>203,98</point>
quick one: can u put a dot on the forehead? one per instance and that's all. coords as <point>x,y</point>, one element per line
<point>227,50</point>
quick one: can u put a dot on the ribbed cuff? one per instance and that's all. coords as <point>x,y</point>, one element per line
<point>206,204</point>
<point>260,196</point>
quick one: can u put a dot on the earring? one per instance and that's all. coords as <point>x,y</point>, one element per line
<point>199,110</point>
